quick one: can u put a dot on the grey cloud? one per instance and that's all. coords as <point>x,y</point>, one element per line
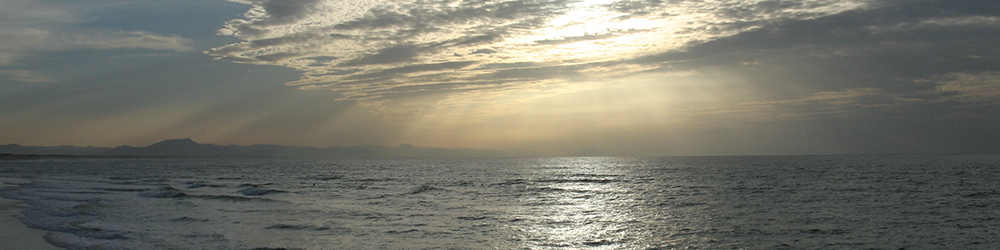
<point>843,52</point>
<point>389,55</point>
<point>392,72</point>
<point>294,39</point>
<point>269,14</point>
<point>22,75</point>
<point>474,40</point>
<point>574,39</point>
<point>387,37</point>
<point>636,7</point>
<point>376,19</point>
<point>320,61</point>
<point>484,51</point>
<point>285,11</point>
<point>746,11</point>
<point>389,34</point>
<point>385,24</point>
<point>31,39</point>
<point>277,56</point>
<point>418,19</point>
<point>31,29</point>
<point>588,37</point>
<point>510,65</point>
<point>537,72</point>
<point>113,40</point>
<point>962,23</point>
<point>342,72</point>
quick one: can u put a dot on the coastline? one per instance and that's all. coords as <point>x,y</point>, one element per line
<point>13,233</point>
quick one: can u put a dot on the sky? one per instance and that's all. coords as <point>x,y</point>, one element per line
<point>630,77</point>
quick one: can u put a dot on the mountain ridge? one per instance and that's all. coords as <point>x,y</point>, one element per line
<point>186,147</point>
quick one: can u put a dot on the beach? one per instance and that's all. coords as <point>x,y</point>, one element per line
<point>13,233</point>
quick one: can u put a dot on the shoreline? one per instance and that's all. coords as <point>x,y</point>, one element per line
<point>13,233</point>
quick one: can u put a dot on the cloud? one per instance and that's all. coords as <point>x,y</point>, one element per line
<point>572,71</point>
<point>390,55</point>
<point>37,40</point>
<point>24,76</point>
<point>859,49</point>
<point>368,44</point>
<point>34,12</point>
<point>30,27</point>
<point>584,37</point>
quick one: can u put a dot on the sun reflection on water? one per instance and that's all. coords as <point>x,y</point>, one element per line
<point>578,203</point>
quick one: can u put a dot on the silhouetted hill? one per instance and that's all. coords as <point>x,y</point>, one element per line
<point>189,148</point>
<point>178,148</point>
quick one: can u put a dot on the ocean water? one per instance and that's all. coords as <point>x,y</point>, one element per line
<point>765,202</point>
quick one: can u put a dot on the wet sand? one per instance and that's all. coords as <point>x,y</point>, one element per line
<point>13,233</point>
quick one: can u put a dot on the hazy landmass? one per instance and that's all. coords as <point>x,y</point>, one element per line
<point>190,148</point>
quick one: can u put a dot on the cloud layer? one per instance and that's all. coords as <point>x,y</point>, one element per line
<point>646,77</point>
<point>376,49</point>
<point>557,69</point>
<point>29,27</point>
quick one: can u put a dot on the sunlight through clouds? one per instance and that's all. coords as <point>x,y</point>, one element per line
<point>509,72</point>
<point>389,49</point>
<point>628,77</point>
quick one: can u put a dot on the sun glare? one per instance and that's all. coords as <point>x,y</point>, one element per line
<point>591,32</point>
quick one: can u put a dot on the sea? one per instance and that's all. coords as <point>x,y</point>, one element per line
<point>733,202</point>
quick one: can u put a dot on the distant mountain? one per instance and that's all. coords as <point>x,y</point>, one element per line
<point>189,148</point>
<point>178,148</point>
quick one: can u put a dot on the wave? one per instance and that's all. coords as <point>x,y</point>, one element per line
<point>298,227</point>
<point>232,198</point>
<point>162,192</point>
<point>189,219</point>
<point>984,194</point>
<point>601,181</point>
<point>192,185</point>
<point>472,217</point>
<point>322,177</point>
<point>599,242</point>
<point>256,191</point>
<point>425,189</point>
